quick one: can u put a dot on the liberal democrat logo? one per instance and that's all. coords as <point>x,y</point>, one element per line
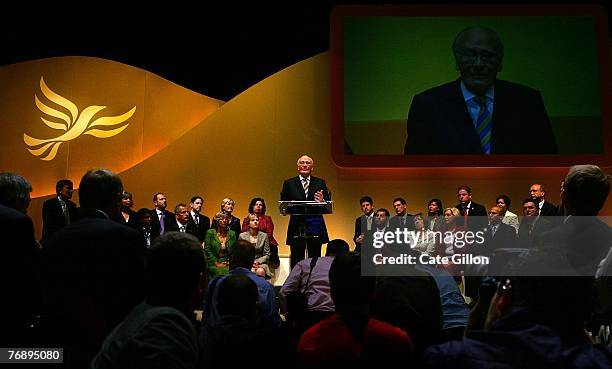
<point>74,124</point>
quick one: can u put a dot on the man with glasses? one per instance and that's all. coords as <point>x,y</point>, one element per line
<point>478,113</point>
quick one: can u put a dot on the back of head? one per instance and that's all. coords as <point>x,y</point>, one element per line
<point>242,255</point>
<point>238,296</point>
<point>348,287</point>
<point>336,247</point>
<point>585,189</point>
<point>174,266</point>
<point>15,191</point>
<point>101,189</point>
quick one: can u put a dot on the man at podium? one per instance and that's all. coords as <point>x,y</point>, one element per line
<point>305,231</point>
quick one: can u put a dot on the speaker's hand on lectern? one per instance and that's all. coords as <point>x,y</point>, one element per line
<point>318,196</point>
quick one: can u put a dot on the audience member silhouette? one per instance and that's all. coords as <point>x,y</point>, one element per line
<point>92,270</point>
<point>160,331</point>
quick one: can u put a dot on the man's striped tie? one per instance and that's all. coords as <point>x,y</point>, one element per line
<point>483,125</point>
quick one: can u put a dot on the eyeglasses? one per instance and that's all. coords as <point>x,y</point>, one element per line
<point>485,57</point>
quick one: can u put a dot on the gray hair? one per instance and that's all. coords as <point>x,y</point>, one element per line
<point>586,187</point>
<point>499,47</point>
<point>14,191</point>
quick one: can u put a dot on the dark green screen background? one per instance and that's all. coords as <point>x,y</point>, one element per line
<point>387,60</point>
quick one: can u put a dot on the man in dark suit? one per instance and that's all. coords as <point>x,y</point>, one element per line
<point>401,218</point>
<point>93,270</point>
<point>498,235</point>
<point>182,220</point>
<point>59,211</point>
<point>161,218</point>
<point>532,224</point>
<point>474,214</point>
<point>302,188</point>
<point>581,241</point>
<point>364,222</point>
<point>546,209</point>
<point>478,114</point>
<point>202,222</point>
<point>19,262</point>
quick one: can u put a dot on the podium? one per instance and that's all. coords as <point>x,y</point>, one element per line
<point>306,224</point>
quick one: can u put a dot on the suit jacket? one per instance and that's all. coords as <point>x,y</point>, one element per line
<point>53,216</point>
<point>93,271</point>
<point>293,191</point>
<point>439,122</point>
<point>262,246</point>
<point>549,210</point>
<point>528,231</point>
<point>202,226</point>
<point>190,227</point>
<point>19,276</point>
<point>361,227</point>
<point>169,218</point>
<point>479,212</point>
<point>398,222</point>
<point>505,237</point>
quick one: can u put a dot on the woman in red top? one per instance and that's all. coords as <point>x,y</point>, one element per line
<point>258,207</point>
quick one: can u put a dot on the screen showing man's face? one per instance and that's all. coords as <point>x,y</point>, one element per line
<point>478,59</point>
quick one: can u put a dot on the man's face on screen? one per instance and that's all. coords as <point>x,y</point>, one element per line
<point>478,60</point>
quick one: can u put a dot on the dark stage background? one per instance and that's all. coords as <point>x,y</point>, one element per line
<point>216,50</point>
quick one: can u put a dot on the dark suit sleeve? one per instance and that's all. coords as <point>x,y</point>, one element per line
<point>418,141</point>
<point>541,124</point>
<point>357,229</point>
<point>284,195</point>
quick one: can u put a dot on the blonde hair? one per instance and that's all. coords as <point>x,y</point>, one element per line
<point>226,201</point>
<point>454,211</point>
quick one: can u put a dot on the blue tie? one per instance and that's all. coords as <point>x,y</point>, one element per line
<point>483,125</point>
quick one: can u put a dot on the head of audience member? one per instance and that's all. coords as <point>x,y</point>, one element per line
<point>350,291</point>
<point>478,55</point>
<point>336,247</point>
<point>503,203</point>
<point>242,255</point>
<point>381,218</point>
<point>144,217</point>
<point>563,302</point>
<point>464,194</point>
<point>434,207</point>
<point>367,205</point>
<point>175,272</point>
<point>399,205</point>
<point>101,189</point>
<point>64,189</point>
<point>222,220</point>
<point>536,192</point>
<point>420,223</point>
<point>227,206</point>
<point>126,201</point>
<point>257,206</point>
<point>254,223</point>
<point>196,204</point>
<point>305,165</point>
<point>585,190</point>
<point>530,208</point>
<point>495,216</point>
<point>238,296</point>
<point>15,191</point>
<point>159,201</point>
<point>450,217</point>
<point>181,212</point>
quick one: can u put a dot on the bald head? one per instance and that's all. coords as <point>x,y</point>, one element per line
<point>478,53</point>
<point>305,165</point>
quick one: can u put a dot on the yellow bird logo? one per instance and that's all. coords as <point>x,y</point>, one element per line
<point>74,124</point>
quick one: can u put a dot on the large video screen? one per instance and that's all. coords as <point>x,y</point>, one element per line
<point>464,86</point>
